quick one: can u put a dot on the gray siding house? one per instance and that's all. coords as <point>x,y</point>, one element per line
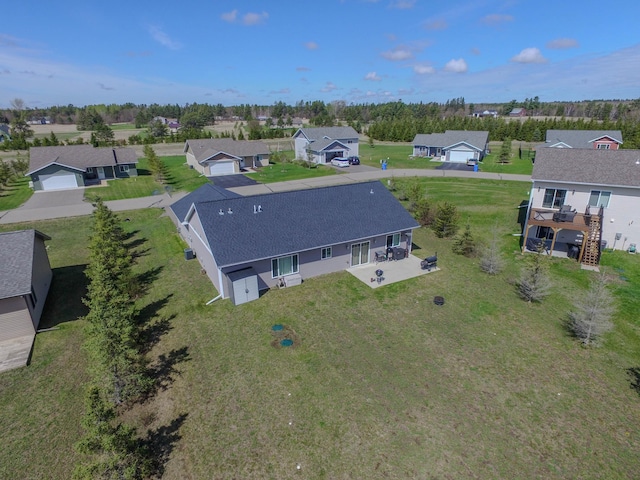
<point>322,144</point>
<point>72,166</point>
<point>25,278</point>
<point>584,199</point>
<point>279,238</point>
<point>452,145</point>
<point>224,156</point>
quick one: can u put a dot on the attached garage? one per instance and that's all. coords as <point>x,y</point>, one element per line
<point>459,156</point>
<point>226,167</point>
<point>58,181</point>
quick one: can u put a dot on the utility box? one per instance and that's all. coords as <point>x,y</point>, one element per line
<point>291,280</point>
<point>244,286</point>
<point>188,254</point>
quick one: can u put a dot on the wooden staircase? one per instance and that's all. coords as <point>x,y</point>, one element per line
<point>591,255</point>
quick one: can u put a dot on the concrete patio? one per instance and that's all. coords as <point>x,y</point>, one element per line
<point>394,271</point>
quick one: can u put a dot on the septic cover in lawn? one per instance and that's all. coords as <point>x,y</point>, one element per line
<point>285,336</point>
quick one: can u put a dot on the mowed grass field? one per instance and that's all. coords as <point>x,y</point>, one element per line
<point>383,384</point>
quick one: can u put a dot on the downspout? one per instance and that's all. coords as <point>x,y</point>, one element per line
<point>213,300</point>
<point>220,282</point>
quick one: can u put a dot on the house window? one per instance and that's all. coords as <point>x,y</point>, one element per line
<point>124,168</point>
<point>393,240</point>
<point>599,198</point>
<point>284,266</point>
<point>33,299</point>
<point>325,253</point>
<point>545,232</point>
<point>89,169</point>
<point>554,198</point>
<point>603,146</point>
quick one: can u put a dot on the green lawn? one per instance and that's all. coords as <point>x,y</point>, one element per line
<point>281,172</point>
<point>179,178</point>
<point>15,194</point>
<point>384,384</point>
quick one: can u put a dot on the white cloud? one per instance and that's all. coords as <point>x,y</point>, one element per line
<point>456,66</point>
<point>163,39</point>
<point>248,19</point>
<point>282,91</point>
<point>562,43</point>
<point>254,18</point>
<point>329,87</point>
<point>230,16</point>
<point>303,69</point>
<point>398,54</point>
<point>437,24</point>
<point>496,19</point>
<point>423,69</point>
<point>529,55</point>
<point>311,45</point>
<point>403,4</point>
<point>372,76</point>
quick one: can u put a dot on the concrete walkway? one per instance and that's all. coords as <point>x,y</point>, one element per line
<point>35,209</point>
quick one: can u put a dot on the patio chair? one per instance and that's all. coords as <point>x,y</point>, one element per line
<point>380,257</point>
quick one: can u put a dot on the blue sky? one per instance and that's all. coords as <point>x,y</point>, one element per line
<point>359,51</point>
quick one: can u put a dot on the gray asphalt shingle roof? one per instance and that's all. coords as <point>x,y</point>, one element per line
<point>300,220</point>
<point>589,166</point>
<point>580,138</point>
<point>336,133</point>
<point>204,149</point>
<point>79,156</point>
<point>16,262</point>
<point>207,192</point>
<point>477,139</point>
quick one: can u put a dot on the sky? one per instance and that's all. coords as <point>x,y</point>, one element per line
<point>356,51</point>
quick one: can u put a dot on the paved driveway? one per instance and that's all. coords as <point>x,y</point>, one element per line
<point>231,181</point>
<point>55,198</point>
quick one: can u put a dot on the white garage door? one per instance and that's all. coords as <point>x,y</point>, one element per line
<point>222,168</point>
<point>54,182</point>
<point>459,155</point>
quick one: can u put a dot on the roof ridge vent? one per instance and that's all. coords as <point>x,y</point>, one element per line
<point>229,211</point>
<point>259,208</point>
<point>220,212</point>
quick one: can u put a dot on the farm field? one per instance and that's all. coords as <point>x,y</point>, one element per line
<point>383,383</point>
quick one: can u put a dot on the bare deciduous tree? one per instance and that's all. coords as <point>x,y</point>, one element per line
<point>593,311</point>
<point>490,260</point>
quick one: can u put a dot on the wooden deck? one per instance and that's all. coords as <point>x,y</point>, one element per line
<point>544,218</point>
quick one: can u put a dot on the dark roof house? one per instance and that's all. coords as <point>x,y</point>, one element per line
<point>304,232</point>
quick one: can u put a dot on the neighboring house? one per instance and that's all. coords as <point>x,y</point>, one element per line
<point>247,244</point>
<point>4,133</point>
<point>518,112</point>
<point>322,144</point>
<point>224,156</point>
<point>583,199</point>
<point>598,139</point>
<point>452,145</point>
<point>72,166</point>
<point>485,113</point>
<point>25,278</point>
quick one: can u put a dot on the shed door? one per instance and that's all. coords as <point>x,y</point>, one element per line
<point>15,320</point>
<point>57,181</point>
<point>245,290</point>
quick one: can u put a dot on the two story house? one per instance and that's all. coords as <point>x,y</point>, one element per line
<point>598,139</point>
<point>322,144</point>
<point>583,200</point>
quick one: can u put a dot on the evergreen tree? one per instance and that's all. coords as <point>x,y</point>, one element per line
<point>445,223</point>
<point>464,244</point>
<point>505,151</point>
<point>112,329</point>
<point>114,450</point>
<point>156,165</point>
